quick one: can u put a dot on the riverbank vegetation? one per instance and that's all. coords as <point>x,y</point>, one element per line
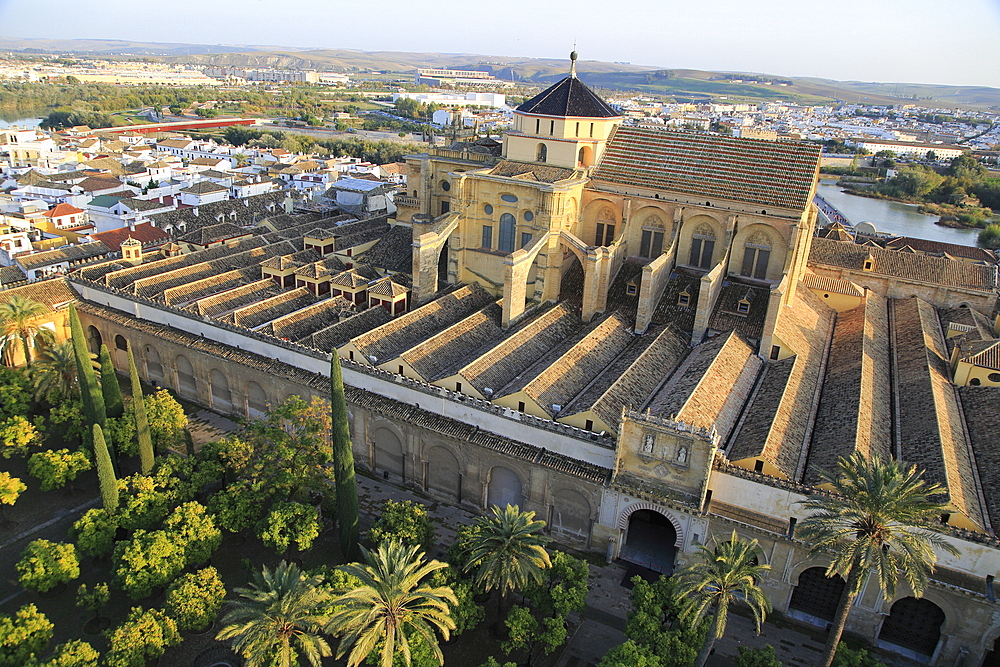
<point>963,193</point>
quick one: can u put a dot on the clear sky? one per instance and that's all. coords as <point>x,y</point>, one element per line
<point>918,41</point>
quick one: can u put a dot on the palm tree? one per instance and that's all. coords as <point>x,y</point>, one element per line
<point>720,578</point>
<point>879,518</point>
<point>17,324</point>
<point>391,607</point>
<point>508,551</point>
<point>54,372</point>
<point>278,618</point>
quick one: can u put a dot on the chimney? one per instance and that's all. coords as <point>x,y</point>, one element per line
<point>195,211</point>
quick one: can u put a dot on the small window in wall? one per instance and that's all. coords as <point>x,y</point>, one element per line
<point>351,355</point>
<point>509,198</point>
<point>552,127</point>
<point>542,154</point>
<point>758,466</point>
<point>589,425</point>
<point>446,186</point>
<point>743,307</point>
<point>487,236</point>
<point>702,250</point>
<point>538,126</point>
<point>994,377</point>
<point>631,290</point>
<point>775,352</point>
<point>445,207</point>
<point>525,239</point>
<point>591,129</point>
<point>975,382</point>
<point>121,343</point>
<point>458,387</point>
<point>400,370</point>
<point>683,299</point>
<point>528,216</point>
<point>520,406</point>
<point>578,129</point>
<point>488,209</point>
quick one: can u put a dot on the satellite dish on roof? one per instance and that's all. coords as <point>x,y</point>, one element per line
<point>865,228</point>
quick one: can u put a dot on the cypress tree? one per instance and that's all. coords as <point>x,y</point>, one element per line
<point>105,471</point>
<point>141,420</point>
<point>114,405</point>
<point>90,391</point>
<point>343,464</point>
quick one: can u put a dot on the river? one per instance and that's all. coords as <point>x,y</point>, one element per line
<point>23,122</point>
<point>893,217</point>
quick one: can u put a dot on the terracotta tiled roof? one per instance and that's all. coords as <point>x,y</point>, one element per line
<point>568,375</point>
<point>727,316</point>
<point>213,233</point>
<point>395,337</point>
<point>262,312</point>
<point>855,411</point>
<point>342,332</point>
<point>711,385</point>
<point>930,427</point>
<point>444,353</point>
<point>54,292</point>
<point>62,209</point>
<point>984,353</point>
<point>183,295</point>
<point>306,321</point>
<point>388,288</point>
<point>949,272</point>
<point>538,172</point>
<point>145,233</point>
<point>218,305</point>
<point>777,421</point>
<point>630,380</point>
<point>833,285</point>
<point>394,251</point>
<point>73,253</point>
<point>765,173</point>
<point>982,414</point>
<point>940,247</point>
<point>204,188</point>
<point>510,358</point>
<point>568,98</point>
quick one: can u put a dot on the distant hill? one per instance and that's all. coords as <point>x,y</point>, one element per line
<point>681,84</point>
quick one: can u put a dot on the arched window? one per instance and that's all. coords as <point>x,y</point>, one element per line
<point>543,152</point>
<point>702,247</point>
<point>605,227</point>
<point>756,254</point>
<point>651,244</point>
<point>507,226</point>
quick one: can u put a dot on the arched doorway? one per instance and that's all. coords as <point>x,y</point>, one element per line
<point>816,596</point>
<point>443,267</point>
<point>571,285</point>
<point>388,454</point>
<point>222,398</point>
<point>912,628</point>
<point>186,384</point>
<point>992,657</point>
<point>94,340</point>
<point>650,541</point>
<point>443,474</point>
<point>504,489</point>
